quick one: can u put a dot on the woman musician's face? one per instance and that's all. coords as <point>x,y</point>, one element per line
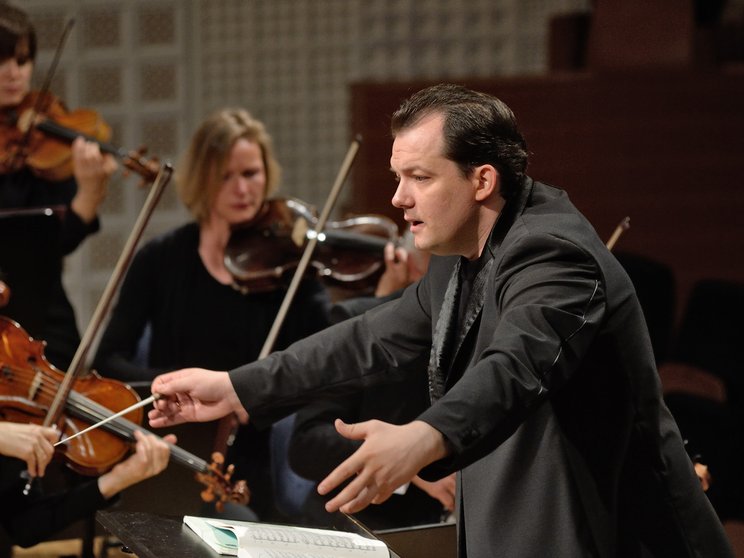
<point>243,184</point>
<point>15,77</point>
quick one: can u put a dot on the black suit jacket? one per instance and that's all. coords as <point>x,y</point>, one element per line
<point>553,408</point>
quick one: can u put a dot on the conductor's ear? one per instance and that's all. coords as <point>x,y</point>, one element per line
<point>487,182</point>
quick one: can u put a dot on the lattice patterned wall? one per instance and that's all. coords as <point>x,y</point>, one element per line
<point>127,60</point>
<point>155,68</point>
<point>290,61</point>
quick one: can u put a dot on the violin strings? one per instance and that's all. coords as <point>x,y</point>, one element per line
<point>87,409</point>
<point>126,427</point>
<point>28,375</point>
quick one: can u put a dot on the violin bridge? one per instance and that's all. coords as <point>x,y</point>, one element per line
<point>34,386</point>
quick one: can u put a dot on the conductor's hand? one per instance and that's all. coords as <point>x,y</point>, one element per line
<point>30,442</point>
<point>389,457</point>
<point>194,395</point>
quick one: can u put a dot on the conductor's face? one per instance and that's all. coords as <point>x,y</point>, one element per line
<point>438,202</point>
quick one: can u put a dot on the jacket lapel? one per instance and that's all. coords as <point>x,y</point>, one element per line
<point>444,335</point>
<point>474,304</point>
<point>448,335</point>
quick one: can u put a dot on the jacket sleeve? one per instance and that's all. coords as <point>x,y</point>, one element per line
<point>390,340</point>
<point>23,189</point>
<point>74,231</point>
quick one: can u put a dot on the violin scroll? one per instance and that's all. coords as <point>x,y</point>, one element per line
<point>135,161</point>
<point>219,489</point>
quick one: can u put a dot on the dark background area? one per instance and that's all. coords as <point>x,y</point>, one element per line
<point>641,115</point>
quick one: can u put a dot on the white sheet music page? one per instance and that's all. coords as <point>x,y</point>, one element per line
<point>267,540</point>
<point>263,540</point>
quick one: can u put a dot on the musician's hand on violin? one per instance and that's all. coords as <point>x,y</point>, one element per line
<point>703,475</point>
<point>194,395</point>
<point>4,294</point>
<point>396,275</point>
<point>92,171</point>
<point>150,457</point>
<point>30,442</point>
<point>390,456</point>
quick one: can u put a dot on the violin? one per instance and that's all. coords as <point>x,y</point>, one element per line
<point>262,255</point>
<point>29,382</point>
<point>38,133</point>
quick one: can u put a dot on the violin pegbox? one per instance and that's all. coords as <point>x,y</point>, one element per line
<point>135,161</point>
<point>218,486</point>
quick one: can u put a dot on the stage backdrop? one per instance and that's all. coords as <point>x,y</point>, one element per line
<point>663,147</point>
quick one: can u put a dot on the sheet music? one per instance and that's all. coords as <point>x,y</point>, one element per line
<point>266,540</point>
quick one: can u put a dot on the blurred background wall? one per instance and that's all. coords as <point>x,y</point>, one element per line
<point>156,68</point>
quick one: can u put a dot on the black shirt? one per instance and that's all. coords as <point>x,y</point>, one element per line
<point>46,312</point>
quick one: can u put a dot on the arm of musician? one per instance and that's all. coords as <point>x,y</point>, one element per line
<point>194,395</point>
<point>29,442</point>
<point>149,459</point>
<point>389,457</point>
<point>33,518</point>
<point>92,171</point>
<point>442,490</point>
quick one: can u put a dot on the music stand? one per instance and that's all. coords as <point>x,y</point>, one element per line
<point>437,540</point>
<point>150,535</point>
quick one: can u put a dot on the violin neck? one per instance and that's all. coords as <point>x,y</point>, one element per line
<point>61,132</point>
<point>88,410</point>
<point>350,239</point>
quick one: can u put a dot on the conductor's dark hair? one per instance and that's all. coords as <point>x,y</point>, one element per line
<point>478,129</point>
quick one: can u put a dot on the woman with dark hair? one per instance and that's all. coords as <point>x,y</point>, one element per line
<point>47,315</point>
